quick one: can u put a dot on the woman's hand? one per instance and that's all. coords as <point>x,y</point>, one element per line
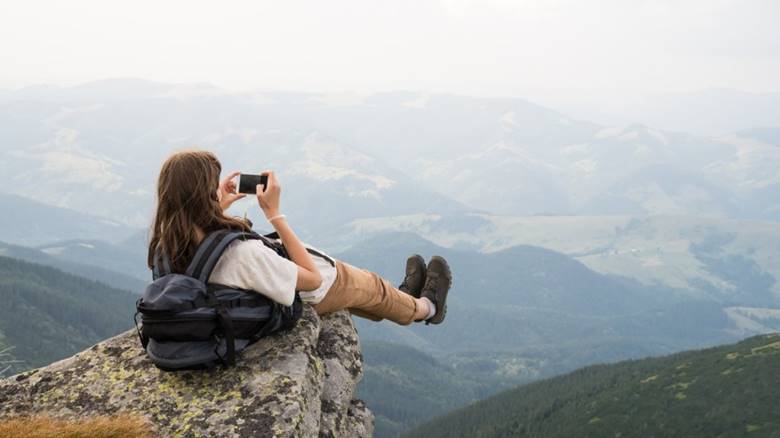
<point>269,198</point>
<point>227,191</point>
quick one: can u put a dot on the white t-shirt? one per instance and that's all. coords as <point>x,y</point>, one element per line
<point>249,264</point>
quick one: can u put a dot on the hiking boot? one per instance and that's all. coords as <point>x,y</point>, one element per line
<point>415,276</point>
<point>437,283</point>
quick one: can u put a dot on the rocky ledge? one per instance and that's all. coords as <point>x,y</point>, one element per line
<point>297,384</point>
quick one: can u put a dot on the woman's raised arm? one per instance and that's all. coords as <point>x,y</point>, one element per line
<point>309,277</point>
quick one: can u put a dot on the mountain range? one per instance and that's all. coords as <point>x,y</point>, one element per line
<point>515,316</point>
<point>709,112</point>
<point>521,314</point>
<point>387,154</point>
<point>730,261</point>
<point>572,243</point>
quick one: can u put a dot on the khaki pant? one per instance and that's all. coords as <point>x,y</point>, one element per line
<point>367,295</point>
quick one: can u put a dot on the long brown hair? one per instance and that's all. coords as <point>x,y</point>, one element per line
<point>186,199</point>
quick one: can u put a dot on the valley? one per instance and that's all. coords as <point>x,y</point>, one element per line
<point>572,243</point>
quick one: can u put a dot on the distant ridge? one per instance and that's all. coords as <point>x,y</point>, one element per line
<point>99,271</point>
<point>28,222</point>
<point>385,154</point>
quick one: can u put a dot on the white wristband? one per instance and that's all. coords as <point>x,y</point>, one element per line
<point>278,216</point>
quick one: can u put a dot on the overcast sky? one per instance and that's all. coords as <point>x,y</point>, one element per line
<point>525,48</point>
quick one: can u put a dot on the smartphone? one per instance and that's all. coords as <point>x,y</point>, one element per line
<point>247,183</point>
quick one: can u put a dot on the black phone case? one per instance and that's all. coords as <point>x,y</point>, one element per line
<point>247,183</point>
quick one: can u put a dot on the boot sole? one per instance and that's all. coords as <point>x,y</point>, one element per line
<point>442,312</point>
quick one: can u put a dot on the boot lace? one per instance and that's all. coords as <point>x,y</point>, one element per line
<point>407,280</point>
<point>431,282</point>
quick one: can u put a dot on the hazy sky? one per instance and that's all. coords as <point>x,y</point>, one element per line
<point>482,47</point>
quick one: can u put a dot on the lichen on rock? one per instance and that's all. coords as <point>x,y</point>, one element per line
<point>295,384</point>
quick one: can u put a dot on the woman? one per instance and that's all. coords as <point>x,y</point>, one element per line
<point>191,204</point>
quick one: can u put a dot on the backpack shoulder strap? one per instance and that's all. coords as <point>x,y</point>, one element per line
<point>211,249</point>
<point>206,246</point>
<point>272,238</point>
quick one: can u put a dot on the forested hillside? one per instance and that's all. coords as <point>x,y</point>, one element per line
<point>47,314</point>
<point>404,386</point>
<point>724,391</point>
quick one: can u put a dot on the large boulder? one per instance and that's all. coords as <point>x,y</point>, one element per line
<point>297,384</point>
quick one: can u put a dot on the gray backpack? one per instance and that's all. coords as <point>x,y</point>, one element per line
<point>187,323</point>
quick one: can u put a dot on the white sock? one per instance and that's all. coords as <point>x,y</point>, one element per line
<point>431,307</point>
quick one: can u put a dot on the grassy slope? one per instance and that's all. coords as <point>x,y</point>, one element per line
<point>723,391</point>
